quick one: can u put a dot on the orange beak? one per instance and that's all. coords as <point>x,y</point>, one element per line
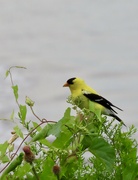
<point>66,85</point>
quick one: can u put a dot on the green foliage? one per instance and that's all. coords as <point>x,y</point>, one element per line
<point>3,148</point>
<point>18,131</point>
<point>15,91</point>
<point>111,152</point>
<point>16,162</point>
<point>22,113</point>
<point>101,150</point>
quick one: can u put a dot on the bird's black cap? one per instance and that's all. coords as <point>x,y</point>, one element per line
<point>70,81</point>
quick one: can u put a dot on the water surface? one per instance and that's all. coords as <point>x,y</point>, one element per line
<point>57,40</point>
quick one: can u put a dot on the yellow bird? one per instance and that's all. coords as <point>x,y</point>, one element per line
<point>82,94</point>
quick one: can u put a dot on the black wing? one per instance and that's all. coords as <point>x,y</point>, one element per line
<point>100,100</point>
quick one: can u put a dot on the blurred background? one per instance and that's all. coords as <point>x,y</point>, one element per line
<point>57,40</point>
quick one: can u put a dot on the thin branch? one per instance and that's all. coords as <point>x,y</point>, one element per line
<point>35,114</point>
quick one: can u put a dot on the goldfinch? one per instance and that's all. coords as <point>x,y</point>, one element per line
<point>82,94</point>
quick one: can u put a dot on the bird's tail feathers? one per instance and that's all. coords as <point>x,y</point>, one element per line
<point>117,118</point>
<point>117,107</point>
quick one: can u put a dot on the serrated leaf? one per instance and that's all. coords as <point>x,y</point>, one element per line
<point>101,149</point>
<point>18,131</point>
<point>130,172</point>
<point>15,91</point>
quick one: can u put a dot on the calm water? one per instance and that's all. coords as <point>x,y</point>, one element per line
<point>57,40</point>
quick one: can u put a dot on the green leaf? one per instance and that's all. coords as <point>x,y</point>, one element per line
<point>47,170</point>
<point>130,172</point>
<point>5,159</point>
<point>101,149</point>
<point>16,162</point>
<point>15,91</point>
<point>45,142</point>
<point>22,67</point>
<point>18,131</point>
<point>22,171</point>
<point>12,115</point>
<point>43,133</point>
<point>61,130</point>
<point>3,149</point>
<point>36,125</point>
<point>7,73</point>
<point>61,124</point>
<point>63,140</point>
<point>95,110</point>
<point>22,113</point>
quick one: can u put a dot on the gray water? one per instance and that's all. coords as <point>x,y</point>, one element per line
<point>57,40</point>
